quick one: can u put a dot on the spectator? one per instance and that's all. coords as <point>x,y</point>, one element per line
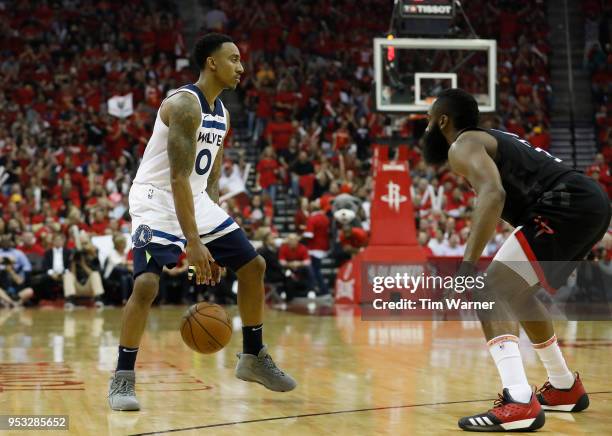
<point>437,243</point>
<point>452,247</point>
<point>56,263</point>
<point>294,258</point>
<point>83,277</point>
<point>215,20</point>
<point>231,180</point>
<point>317,234</point>
<point>14,271</point>
<point>267,172</point>
<point>539,138</point>
<point>351,240</point>
<point>279,131</point>
<point>300,218</point>
<point>289,155</point>
<point>33,251</point>
<point>300,168</point>
<point>255,212</point>
<point>118,268</point>
<point>274,270</point>
<point>423,240</point>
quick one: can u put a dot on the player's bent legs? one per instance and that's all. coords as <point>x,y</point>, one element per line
<point>136,311</point>
<point>518,408</point>
<point>501,281</point>
<point>532,314</point>
<point>121,391</point>
<point>563,391</point>
<point>255,364</point>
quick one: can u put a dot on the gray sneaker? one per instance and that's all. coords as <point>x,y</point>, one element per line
<point>121,394</point>
<point>262,369</point>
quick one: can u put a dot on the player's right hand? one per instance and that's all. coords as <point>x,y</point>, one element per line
<point>201,259</point>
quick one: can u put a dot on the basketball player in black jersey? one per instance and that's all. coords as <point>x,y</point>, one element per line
<point>558,213</point>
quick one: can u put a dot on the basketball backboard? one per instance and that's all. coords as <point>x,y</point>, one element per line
<point>410,72</point>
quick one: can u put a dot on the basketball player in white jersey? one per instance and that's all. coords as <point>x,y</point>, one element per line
<point>173,204</point>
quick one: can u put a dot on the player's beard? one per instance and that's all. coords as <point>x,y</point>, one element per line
<point>435,149</point>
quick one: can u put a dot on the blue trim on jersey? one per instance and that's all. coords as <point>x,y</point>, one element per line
<point>169,237</point>
<point>204,103</point>
<point>228,222</point>
<point>204,106</point>
<point>213,124</point>
<point>219,108</point>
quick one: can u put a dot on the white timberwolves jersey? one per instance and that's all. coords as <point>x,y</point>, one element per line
<point>155,167</point>
<point>151,201</point>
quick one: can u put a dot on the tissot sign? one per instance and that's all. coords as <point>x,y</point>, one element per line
<point>427,8</point>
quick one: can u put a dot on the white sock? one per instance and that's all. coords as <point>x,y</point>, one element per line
<point>550,354</point>
<point>505,352</point>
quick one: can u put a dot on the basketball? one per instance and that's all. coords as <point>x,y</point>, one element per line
<point>206,328</point>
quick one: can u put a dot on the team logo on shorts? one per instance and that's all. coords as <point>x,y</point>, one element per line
<point>142,236</point>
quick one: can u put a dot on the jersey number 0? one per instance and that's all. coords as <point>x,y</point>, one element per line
<point>202,168</point>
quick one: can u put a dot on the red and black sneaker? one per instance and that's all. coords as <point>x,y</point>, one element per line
<point>574,399</point>
<point>507,415</point>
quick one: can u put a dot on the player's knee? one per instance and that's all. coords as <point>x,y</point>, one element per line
<point>145,287</point>
<point>253,270</point>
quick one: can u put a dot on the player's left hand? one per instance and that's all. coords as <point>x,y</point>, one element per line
<point>216,271</point>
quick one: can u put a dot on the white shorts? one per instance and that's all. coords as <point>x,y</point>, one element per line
<point>152,209</point>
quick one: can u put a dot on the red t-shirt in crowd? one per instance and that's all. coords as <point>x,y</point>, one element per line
<point>358,238</point>
<point>317,227</point>
<point>32,249</point>
<point>99,228</point>
<point>266,168</point>
<point>280,134</point>
<point>300,252</point>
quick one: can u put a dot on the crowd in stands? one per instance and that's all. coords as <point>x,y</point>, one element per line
<point>598,62</point>
<point>66,165</point>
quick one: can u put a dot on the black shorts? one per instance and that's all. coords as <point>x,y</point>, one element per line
<point>232,250</point>
<point>563,226</point>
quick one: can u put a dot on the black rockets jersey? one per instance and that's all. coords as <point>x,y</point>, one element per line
<point>526,173</point>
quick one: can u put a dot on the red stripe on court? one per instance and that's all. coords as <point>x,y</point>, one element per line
<point>533,260</point>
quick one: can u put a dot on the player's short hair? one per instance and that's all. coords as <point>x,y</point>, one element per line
<point>460,106</point>
<point>206,46</point>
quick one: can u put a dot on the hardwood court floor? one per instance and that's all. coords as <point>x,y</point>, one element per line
<point>355,377</point>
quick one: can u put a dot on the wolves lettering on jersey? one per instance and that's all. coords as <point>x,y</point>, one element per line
<point>155,166</point>
<point>211,138</point>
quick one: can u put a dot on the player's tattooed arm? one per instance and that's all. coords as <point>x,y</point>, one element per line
<point>184,117</point>
<point>470,159</point>
<point>212,188</point>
